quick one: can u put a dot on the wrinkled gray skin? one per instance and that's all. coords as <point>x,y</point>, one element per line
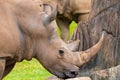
<point>68,11</point>
<point>27,32</point>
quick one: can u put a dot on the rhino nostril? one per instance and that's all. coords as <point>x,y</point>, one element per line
<point>74,72</point>
<point>71,74</point>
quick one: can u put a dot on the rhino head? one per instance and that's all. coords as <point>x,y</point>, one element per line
<point>57,57</point>
<point>53,53</point>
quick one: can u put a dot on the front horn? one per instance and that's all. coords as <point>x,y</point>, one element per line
<point>83,57</point>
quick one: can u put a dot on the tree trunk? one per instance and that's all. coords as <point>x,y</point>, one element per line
<point>104,16</point>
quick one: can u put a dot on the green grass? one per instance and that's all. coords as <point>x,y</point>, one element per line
<point>31,70</point>
<point>28,70</point>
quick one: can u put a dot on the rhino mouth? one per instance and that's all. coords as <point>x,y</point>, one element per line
<point>68,74</point>
<point>71,74</point>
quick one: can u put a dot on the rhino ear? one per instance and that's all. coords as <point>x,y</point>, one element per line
<point>47,8</point>
<point>73,46</point>
<point>49,18</point>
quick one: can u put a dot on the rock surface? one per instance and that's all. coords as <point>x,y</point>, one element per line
<point>104,16</point>
<point>77,78</point>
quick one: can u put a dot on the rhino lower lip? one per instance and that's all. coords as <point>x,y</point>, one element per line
<point>70,75</point>
<point>65,75</point>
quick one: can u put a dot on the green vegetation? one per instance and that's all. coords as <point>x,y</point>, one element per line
<point>73,26</point>
<point>28,70</point>
<point>31,70</point>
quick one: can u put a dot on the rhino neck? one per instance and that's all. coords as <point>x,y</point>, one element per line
<point>30,48</point>
<point>26,49</point>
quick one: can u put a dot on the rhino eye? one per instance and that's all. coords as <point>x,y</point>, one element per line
<point>40,5</point>
<point>61,52</point>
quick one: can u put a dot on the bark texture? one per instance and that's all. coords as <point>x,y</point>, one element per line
<point>104,16</point>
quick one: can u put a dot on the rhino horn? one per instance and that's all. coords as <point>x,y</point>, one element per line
<point>83,57</point>
<point>73,45</point>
